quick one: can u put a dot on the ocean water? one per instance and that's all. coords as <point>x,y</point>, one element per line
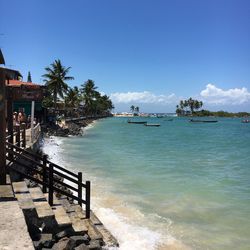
<point>178,186</point>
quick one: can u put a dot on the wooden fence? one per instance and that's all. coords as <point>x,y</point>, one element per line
<point>45,173</point>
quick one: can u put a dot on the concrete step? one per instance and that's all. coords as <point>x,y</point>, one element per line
<point>77,223</point>
<point>61,216</point>
<point>37,194</point>
<point>93,232</point>
<point>44,210</point>
<point>23,196</point>
<point>6,193</point>
<point>73,212</point>
<point>13,229</point>
<point>20,187</point>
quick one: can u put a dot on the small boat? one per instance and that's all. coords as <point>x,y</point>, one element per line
<point>192,120</point>
<point>152,124</point>
<point>169,120</point>
<point>245,121</point>
<point>137,122</point>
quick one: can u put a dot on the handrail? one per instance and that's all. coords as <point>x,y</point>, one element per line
<point>41,159</point>
<point>47,173</point>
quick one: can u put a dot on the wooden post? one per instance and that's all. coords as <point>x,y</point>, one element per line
<point>24,135</point>
<point>87,199</point>
<point>2,129</point>
<point>44,173</point>
<point>51,169</point>
<point>10,114</point>
<point>18,134</point>
<point>80,187</point>
<point>32,121</point>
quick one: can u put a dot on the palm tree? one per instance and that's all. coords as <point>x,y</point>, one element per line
<point>56,78</point>
<point>191,104</point>
<point>72,99</point>
<point>178,110</point>
<point>103,105</point>
<point>137,109</point>
<point>132,108</point>
<point>89,95</point>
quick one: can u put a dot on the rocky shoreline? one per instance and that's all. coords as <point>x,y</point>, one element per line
<point>69,128</point>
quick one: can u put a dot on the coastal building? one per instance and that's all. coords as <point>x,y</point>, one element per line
<point>23,93</point>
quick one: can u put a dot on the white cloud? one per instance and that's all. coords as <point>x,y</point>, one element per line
<point>143,97</point>
<point>213,95</point>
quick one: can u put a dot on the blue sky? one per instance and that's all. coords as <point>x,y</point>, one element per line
<point>149,53</point>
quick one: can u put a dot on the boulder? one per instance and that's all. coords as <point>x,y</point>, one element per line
<point>80,239</point>
<point>81,247</point>
<point>65,233</point>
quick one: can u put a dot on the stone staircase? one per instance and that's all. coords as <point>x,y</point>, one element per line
<point>61,226</point>
<point>13,228</point>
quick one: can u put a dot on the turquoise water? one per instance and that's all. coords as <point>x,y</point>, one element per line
<point>183,185</point>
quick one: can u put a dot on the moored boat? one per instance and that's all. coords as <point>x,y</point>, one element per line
<point>245,121</point>
<point>192,120</point>
<point>152,124</point>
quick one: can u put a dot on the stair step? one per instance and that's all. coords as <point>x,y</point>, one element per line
<point>93,232</point>
<point>78,225</point>
<point>20,187</point>
<point>78,211</point>
<point>94,219</point>
<point>43,209</point>
<point>25,201</point>
<point>37,194</point>
<point>23,196</point>
<point>6,193</point>
<point>61,216</point>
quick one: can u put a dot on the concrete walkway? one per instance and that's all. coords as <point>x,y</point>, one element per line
<point>13,229</point>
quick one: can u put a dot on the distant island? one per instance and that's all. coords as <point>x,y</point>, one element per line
<point>191,107</point>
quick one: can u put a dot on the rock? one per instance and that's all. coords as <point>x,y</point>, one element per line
<point>64,244</point>
<point>94,245</point>
<point>81,247</point>
<point>80,239</point>
<point>45,241</point>
<point>65,233</point>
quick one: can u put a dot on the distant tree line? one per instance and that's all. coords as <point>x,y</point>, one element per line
<point>85,100</point>
<point>221,113</point>
<point>191,107</point>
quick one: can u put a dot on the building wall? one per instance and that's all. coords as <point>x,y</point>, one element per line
<point>27,107</point>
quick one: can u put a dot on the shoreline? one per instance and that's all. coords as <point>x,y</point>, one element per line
<point>121,221</point>
<point>110,241</point>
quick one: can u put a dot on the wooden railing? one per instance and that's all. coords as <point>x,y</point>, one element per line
<point>47,173</point>
<point>17,136</point>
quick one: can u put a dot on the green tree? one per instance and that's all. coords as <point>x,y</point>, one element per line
<point>56,78</point>
<point>137,109</point>
<point>188,106</point>
<point>89,95</point>
<point>132,108</point>
<point>72,99</point>
<point>103,105</point>
<point>179,110</point>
